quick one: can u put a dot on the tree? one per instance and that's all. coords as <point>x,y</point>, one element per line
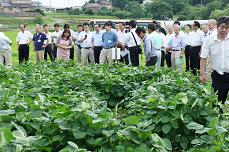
<point>136,10</point>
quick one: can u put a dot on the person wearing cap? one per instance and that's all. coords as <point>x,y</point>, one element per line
<point>217,46</point>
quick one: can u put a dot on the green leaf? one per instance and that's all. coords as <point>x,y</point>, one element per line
<point>7,112</point>
<point>79,135</point>
<point>166,128</point>
<point>214,122</point>
<point>197,142</point>
<point>194,126</point>
<point>167,144</point>
<point>7,134</point>
<point>164,119</point>
<point>204,130</point>
<point>132,120</point>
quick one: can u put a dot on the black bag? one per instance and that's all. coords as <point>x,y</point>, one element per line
<point>139,49</point>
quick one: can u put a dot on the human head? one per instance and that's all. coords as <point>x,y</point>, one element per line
<point>117,27</point>
<point>151,27</point>
<point>66,34</point>
<point>97,27</point>
<point>86,27</point>
<point>223,26</point>
<point>122,26</point>
<point>22,27</point>
<point>205,28</point>
<point>187,28</point>
<point>212,24</point>
<point>170,29</point>
<point>57,27</point>
<point>46,27</point>
<point>38,28</point>
<point>66,26</point>
<point>133,24</point>
<point>80,28</point>
<point>176,29</point>
<point>176,23</point>
<point>140,32</point>
<point>195,25</point>
<point>108,26</point>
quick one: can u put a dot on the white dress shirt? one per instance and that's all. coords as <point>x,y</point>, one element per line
<point>97,38</point>
<point>122,37</point>
<point>168,38</point>
<point>88,42</point>
<point>24,37</point>
<point>197,38</point>
<point>187,38</point>
<point>49,36</point>
<point>130,39</point>
<point>219,52</point>
<point>55,35</point>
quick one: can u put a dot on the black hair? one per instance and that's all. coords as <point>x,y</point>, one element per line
<point>86,24</point>
<point>139,30</point>
<point>152,27</point>
<point>123,23</point>
<point>80,25</point>
<point>222,20</point>
<point>155,22</point>
<point>189,26</point>
<point>133,23</point>
<point>24,25</point>
<point>98,25</point>
<point>66,26</point>
<point>176,22</point>
<point>108,23</point>
<point>162,30</point>
<point>56,25</point>
<point>196,23</point>
<point>45,25</point>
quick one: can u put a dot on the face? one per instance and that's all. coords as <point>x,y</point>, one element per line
<point>117,26</point>
<point>56,28</point>
<point>80,29</point>
<point>66,34</point>
<point>141,35</point>
<point>38,29</point>
<point>97,28</point>
<point>194,27</point>
<point>176,30</point>
<point>187,28</point>
<point>170,30</point>
<point>211,26</point>
<point>121,27</point>
<point>223,30</point>
<point>22,28</point>
<point>86,28</point>
<point>107,28</point>
<point>46,28</point>
<point>205,29</point>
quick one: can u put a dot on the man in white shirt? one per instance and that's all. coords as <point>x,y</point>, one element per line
<point>133,43</point>
<point>168,37</point>
<point>54,37</point>
<point>48,48</point>
<point>217,46</point>
<point>197,37</point>
<point>122,44</point>
<point>24,39</point>
<point>5,50</point>
<point>78,45</point>
<point>85,38</point>
<point>187,41</point>
<point>97,42</point>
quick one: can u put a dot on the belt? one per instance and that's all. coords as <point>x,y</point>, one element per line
<point>176,50</point>
<point>195,46</point>
<point>109,47</point>
<point>23,44</point>
<point>98,46</point>
<point>86,47</point>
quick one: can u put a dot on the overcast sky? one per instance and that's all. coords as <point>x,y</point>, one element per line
<point>62,3</point>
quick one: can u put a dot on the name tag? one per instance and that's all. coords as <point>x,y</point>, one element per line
<point>109,41</point>
<point>39,41</point>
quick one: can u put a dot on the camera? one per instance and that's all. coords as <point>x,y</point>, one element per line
<point>127,30</point>
<point>85,36</point>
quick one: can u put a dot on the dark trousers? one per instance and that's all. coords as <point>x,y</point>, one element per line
<point>54,51</point>
<point>71,53</point>
<point>97,51</point>
<point>162,58</point>
<point>152,61</point>
<point>187,57</point>
<point>125,59</point>
<point>48,51</point>
<point>134,56</point>
<point>23,53</point>
<point>168,59</point>
<point>195,59</point>
<point>220,84</point>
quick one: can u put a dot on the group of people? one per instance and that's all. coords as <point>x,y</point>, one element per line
<point>206,51</point>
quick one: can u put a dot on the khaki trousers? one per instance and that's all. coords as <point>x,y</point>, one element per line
<point>209,69</point>
<point>39,56</point>
<point>87,54</point>
<point>106,56</point>
<point>176,60</point>
<point>5,58</point>
<point>78,54</point>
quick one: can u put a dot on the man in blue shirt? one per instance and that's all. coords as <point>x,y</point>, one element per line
<point>110,40</point>
<point>39,44</point>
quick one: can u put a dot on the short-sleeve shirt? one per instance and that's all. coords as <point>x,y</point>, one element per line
<point>24,37</point>
<point>39,41</point>
<point>109,39</point>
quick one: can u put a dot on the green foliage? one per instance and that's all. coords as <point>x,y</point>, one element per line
<point>38,20</point>
<point>64,107</point>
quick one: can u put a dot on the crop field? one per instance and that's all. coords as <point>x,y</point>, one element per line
<point>63,107</point>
